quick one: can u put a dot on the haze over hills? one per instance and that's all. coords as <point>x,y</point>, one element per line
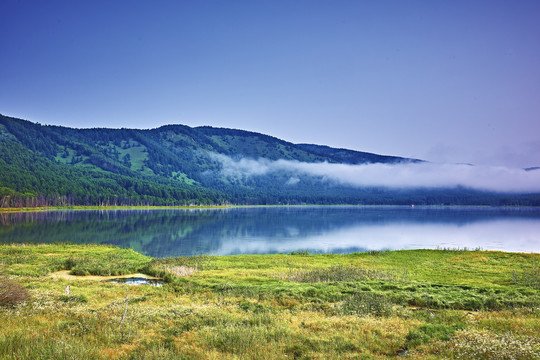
<point>178,165</point>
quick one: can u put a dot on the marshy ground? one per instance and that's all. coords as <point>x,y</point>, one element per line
<point>418,304</point>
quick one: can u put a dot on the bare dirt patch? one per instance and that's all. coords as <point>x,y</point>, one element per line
<point>65,274</point>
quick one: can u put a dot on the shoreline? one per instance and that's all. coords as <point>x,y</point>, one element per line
<point>193,207</point>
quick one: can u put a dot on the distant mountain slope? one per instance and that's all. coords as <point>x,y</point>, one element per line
<point>352,157</point>
<point>177,164</point>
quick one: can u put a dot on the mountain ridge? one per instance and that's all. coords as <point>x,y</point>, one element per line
<point>175,164</point>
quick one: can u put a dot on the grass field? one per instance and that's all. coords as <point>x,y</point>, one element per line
<point>417,304</point>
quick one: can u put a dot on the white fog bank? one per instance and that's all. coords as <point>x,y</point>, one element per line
<point>400,175</point>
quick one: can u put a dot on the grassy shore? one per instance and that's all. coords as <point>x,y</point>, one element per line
<point>418,304</point>
<point>170,207</point>
<point>108,207</point>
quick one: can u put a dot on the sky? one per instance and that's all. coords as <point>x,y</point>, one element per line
<point>445,81</point>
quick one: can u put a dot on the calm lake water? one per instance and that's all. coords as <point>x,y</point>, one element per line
<point>262,230</point>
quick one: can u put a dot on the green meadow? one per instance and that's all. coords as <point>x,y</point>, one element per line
<point>416,304</point>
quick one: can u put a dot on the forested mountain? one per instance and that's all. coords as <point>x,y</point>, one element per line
<point>178,165</point>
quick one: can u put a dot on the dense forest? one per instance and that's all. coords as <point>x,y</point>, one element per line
<point>179,165</point>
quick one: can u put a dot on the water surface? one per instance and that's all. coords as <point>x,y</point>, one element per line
<point>136,281</point>
<point>261,230</point>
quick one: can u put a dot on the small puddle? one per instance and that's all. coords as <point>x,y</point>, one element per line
<point>136,281</point>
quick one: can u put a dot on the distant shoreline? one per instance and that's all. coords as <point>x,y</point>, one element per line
<point>158,207</point>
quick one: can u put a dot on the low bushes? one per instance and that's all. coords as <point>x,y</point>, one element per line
<point>12,293</point>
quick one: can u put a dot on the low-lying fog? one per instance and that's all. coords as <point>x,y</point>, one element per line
<point>400,175</point>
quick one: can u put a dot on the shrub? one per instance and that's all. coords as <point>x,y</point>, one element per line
<point>367,303</point>
<point>12,293</point>
<point>299,252</point>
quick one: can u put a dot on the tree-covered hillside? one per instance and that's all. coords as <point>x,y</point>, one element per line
<point>179,165</point>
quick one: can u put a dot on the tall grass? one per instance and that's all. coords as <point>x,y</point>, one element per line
<point>341,273</point>
<point>40,260</point>
<point>120,263</point>
<point>43,347</point>
<point>365,303</point>
<point>528,277</point>
<point>169,268</point>
<point>425,304</point>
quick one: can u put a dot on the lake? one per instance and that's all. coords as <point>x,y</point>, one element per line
<point>263,230</point>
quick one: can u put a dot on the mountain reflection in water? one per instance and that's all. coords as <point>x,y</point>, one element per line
<point>259,230</point>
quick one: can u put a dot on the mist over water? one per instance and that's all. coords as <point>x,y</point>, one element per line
<point>398,175</point>
<point>261,230</point>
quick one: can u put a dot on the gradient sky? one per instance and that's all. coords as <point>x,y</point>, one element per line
<point>446,81</point>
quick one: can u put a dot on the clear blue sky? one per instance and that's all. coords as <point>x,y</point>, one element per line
<point>455,81</point>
